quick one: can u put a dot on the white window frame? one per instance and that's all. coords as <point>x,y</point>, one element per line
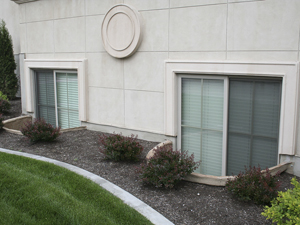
<point>80,65</point>
<point>225,111</point>
<point>55,90</point>
<point>288,71</point>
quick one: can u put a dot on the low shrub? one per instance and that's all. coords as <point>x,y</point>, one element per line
<point>4,106</point>
<point>252,185</point>
<point>285,209</point>
<point>39,130</point>
<point>3,96</point>
<point>120,148</point>
<point>166,167</point>
<point>1,122</point>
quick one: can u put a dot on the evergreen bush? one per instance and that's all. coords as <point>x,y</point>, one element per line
<point>8,78</point>
<point>4,103</point>
<point>1,122</point>
<point>3,96</point>
<point>4,106</point>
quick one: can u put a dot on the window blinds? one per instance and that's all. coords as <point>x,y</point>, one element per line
<point>65,111</point>
<point>67,100</point>
<point>254,111</point>
<point>46,96</point>
<point>253,123</point>
<point>202,122</point>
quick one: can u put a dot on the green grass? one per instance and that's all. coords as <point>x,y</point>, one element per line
<point>36,192</point>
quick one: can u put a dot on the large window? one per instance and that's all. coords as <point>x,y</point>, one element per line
<point>225,144</point>
<point>57,97</point>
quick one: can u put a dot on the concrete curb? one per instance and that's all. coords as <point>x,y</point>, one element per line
<point>152,215</point>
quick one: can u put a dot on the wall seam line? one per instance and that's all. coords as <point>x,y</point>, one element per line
<point>169,16</point>
<point>298,42</point>
<point>226,54</point>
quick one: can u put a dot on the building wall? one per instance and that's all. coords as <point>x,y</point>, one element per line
<point>129,93</point>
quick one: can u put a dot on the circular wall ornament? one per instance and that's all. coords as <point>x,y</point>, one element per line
<point>121,31</point>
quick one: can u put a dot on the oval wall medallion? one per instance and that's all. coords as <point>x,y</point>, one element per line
<point>121,31</point>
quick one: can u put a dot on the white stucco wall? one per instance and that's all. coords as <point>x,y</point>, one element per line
<point>9,12</point>
<point>129,93</point>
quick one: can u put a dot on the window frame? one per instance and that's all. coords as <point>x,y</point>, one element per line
<point>55,89</point>
<point>80,65</point>
<point>287,71</point>
<point>226,93</point>
<point>252,134</point>
<point>54,73</point>
<point>225,111</point>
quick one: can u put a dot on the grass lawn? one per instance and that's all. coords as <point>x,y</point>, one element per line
<point>36,192</point>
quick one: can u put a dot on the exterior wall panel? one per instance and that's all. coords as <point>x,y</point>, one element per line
<point>93,33</point>
<point>40,37</point>
<point>201,28</point>
<point>39,11</point>
<point>69,35</point>
<point>144,71</point>
<point>263,25</point>
<point>155,30</point>
<point>105,71</point>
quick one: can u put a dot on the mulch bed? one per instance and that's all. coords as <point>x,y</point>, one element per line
<point>188,203</point>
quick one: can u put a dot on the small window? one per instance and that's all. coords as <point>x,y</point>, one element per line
<point>57,98</point>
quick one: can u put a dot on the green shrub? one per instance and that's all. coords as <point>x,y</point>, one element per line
<point>119,148</point>
<point>1,122</point>
<point>4,106</point>
<point>285,209</point>
<point>8,78</point>
<point>166,167</point>
<point>254,186</point>
<point>39,130</point>
<point>3,96</point>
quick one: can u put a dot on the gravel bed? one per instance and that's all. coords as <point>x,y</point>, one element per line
<point>188,203</point>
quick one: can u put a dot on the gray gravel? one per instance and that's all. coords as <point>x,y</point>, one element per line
<point>188,203</point>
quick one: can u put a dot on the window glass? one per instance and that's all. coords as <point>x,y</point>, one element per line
<point>46,96</point>
<point>202,122</point>
<point>254,111</point>
<point>65,86</point>
<point>67,100</point>
<point>253,123</point>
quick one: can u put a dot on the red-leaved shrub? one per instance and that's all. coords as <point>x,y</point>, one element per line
<point>252,185</point>
<point>166,167</point>
<point>40,130</point>
<point>119,148</point>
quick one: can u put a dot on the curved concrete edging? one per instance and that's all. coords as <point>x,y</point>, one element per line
<point>215,180</point>
<point>14,125</point>
<point>151,214</point>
